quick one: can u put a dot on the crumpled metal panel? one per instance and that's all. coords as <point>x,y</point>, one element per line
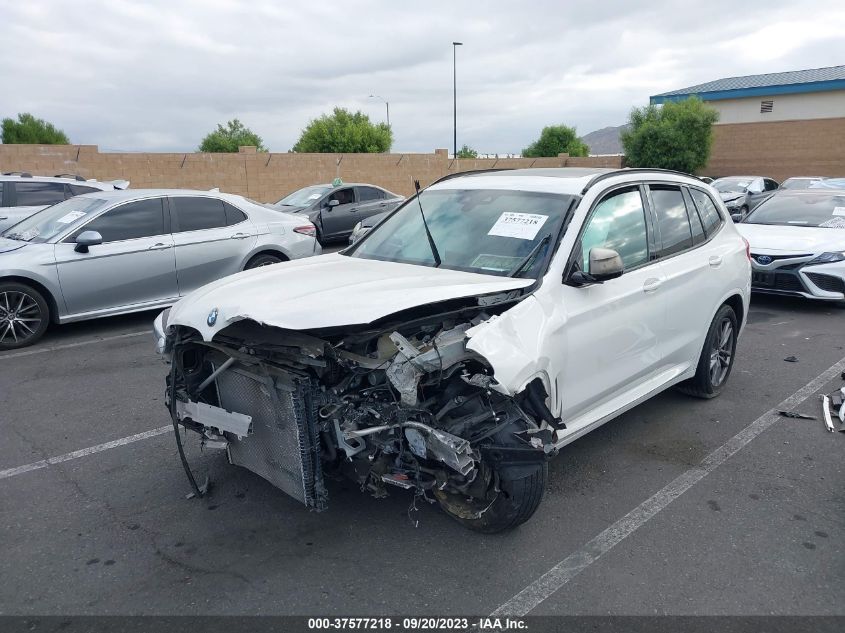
<point>283,447</point>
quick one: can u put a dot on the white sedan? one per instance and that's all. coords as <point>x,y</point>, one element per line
<point>797,243</point>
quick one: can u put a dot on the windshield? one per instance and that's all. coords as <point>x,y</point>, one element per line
<point>799,183</point>
<point>822,209</point>
<point>727,185</point>
<point>478,230</point>
<point>49,222</point>
<point>304,197</point>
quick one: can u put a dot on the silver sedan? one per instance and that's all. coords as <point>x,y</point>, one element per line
<point>108,253</point>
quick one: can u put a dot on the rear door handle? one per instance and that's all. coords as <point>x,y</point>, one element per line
<point>715,261</point>
<point>240,236</point>
<point>651,284</point>
<point>160,246</point>
<point>353,210</point>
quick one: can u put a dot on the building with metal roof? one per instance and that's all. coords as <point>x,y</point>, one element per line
<point>775,124</point>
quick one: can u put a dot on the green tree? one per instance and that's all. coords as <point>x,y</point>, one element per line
<point>230,138</point>
<point>467,152</point>
<point>554,140</point>
<point>29,130</point>
<point>344,132</point>
<point>677,135</point>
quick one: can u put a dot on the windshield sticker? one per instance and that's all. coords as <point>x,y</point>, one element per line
<point>499,263</point>
<point>838,210</point>
<point>522,226</point>
<point>833,223</point>
<point>73,216</point>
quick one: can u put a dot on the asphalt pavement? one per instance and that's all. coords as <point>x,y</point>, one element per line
<point>106,529</point>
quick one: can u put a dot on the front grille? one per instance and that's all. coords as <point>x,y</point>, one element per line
<point>775,258</point>
<point>827,282</point>
<point>284,446</point>
<point>783,281</point>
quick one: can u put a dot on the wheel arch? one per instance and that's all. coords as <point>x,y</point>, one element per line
<point>52,302</point>
<point>266,250</point>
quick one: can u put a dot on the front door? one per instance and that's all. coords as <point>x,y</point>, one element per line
<point>339,220</point>
<point>134,264</point>
<point>611,330</point>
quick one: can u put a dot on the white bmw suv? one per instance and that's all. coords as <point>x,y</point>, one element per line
<point>486,323</point>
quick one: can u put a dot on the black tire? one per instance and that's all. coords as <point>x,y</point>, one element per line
<point>520,491</point>
<point>24,315</point>
<point>717,357</point>
<point>263,259</point>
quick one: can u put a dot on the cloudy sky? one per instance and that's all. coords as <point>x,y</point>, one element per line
<point>158,75</point>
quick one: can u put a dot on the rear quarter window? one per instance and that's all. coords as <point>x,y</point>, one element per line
<point>710,216</point>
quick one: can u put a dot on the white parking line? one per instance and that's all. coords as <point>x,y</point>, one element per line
<point>99,448</point>
<point>567,569</point>
<point>44,350</point>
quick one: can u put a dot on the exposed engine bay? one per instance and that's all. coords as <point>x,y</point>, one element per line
<point>396,405</point>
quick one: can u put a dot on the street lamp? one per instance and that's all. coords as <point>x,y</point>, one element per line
<point>386,105</point>
<point>455,97</point>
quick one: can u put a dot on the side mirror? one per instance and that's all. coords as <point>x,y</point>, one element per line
<point>754,191</point>
<point>605,264</point>
<point>86,239</point>
<point>332,203</point>
<point>736,217</point>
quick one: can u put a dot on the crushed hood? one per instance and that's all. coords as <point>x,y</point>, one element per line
<point>803,240</point>
<point>327,291</point>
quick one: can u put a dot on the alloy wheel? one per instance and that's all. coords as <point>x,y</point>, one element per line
<point>20,316</point>
<point>721,353</point>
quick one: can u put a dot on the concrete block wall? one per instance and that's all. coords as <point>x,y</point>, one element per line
<point>263,177</point>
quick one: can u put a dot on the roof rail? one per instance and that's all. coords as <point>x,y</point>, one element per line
<point>74,176</point>
<point>22,174</point>
<point>471,172</point>
<point>628,170</point>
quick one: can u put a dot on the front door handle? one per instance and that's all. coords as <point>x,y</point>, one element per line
<point>651,284</point>
<point>160,246</point>
<point>239,236</point>
<point>715,261</point>
<point>353,210</point>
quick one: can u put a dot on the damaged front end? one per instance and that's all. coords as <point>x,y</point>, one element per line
<point>397,404</point>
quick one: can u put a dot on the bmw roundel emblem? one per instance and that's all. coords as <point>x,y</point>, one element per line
<point>765,260</point>
<point>212,317</point>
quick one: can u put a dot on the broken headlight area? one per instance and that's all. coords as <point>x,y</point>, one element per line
<point>407,407</point>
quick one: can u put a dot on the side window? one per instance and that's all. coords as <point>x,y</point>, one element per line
<point>710,216</point>
<point>695,223</point>
<point>1,194</point>
<point>78,190</point>
<point>343,196</point>
<point>196,214</point>
<point>33,194</point>
<point>367,194</point>
<point>233,214</point>
<point>130,221</point>
<point>771,185</point>
<point>618,222</point>
<point>672,221</point>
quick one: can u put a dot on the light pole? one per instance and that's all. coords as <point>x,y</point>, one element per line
<point>386,105</point>
<point>455,97</point>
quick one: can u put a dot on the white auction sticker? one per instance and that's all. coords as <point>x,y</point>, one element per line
<point>838,210</point>
<point>73,216</point>
<point>523,226</point>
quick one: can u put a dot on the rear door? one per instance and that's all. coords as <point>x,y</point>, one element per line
<point>371,201</point>
<point>612,330</point>
<point>212,239</point>
<point>134,264</point>
<point>339,220</point>
<point>687,221</point>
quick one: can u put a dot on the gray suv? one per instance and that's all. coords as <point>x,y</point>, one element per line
<point>22,194</point>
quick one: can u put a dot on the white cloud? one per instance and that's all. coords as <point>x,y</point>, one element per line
<point>159,74</point>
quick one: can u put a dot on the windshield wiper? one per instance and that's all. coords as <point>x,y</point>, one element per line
<point>434,252</point>
<point>530,255</point>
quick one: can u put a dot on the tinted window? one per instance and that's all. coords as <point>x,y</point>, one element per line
<point>695,223</point>
<point>771,185</point>
<point>130,221</point>
<point>233,214</point>
<point>32,194</point>
<point>195,214</point>
<point>343,196</point>
<point>672,220</point>
<point>78,190</point>
<point>369,193</point>
<point>710,216</point>
<point>618,222</point>
<point>1,194</point>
